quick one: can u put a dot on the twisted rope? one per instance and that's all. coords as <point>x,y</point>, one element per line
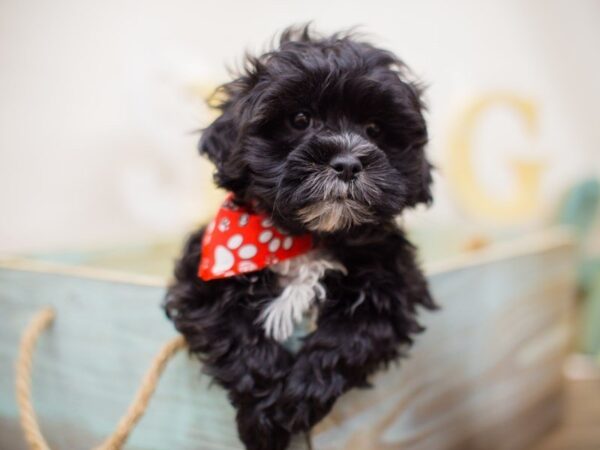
<point>29,423</point>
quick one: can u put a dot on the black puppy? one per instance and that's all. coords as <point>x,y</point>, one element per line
<point>324,135</point>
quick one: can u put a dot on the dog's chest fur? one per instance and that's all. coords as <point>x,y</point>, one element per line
<point>300,281</point>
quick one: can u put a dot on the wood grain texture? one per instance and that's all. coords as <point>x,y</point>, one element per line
<point>486,374</point>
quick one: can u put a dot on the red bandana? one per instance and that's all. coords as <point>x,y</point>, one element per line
<point>239,240</point>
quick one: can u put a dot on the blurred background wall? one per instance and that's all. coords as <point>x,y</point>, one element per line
<point>100,103</point>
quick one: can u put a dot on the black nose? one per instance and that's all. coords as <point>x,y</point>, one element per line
<point>346,166</point>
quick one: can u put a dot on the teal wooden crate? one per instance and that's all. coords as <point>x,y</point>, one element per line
<point>486,374</point>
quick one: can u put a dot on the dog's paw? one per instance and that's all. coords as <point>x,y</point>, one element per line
<point>259,431</point>
<point>308,396</point>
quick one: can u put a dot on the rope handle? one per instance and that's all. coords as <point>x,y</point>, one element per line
<point>29,422</point>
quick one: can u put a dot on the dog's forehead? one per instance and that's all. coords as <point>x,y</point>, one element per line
<point>331,91</point>
<point>316,77</point>
<point>294,76</point>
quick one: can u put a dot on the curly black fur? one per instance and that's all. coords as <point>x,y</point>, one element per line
<point>369,316</point>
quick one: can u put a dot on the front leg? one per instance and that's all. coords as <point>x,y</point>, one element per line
<point>338,356</point>
<point>253,369</point>
<point>218,320</point>
<point>367,323</point>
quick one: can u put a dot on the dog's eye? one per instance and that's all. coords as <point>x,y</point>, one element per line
<point>300,121</point>
<point>373,130</point>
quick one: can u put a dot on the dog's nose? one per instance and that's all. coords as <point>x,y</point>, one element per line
<point>346,166</point>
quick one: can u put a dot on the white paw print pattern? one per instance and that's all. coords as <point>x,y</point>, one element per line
<point>236,250</point>
<point>267,236</point>
<point>247,266</point>
<point>224,224</point>
<point>224,256</point>
<point>244,218</point>
<point>239,240</point>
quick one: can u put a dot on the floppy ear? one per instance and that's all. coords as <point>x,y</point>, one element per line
<point>218,139</point>
<point>421,189</point>
<point>220,142</point>
<point>424,190</point>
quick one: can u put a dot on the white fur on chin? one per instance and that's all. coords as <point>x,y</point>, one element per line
<point>300,279</point>
<point>328,216</point>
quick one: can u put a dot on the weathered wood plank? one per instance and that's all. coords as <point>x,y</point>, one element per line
<point>486,371</point>
<point>89,365</point>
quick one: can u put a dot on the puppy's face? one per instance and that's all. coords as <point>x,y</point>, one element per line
<point>324,133</point>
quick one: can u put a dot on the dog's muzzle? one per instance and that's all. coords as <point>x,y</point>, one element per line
<point>340,187</point>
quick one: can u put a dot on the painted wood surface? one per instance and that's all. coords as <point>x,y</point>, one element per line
<point>486,374</point>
